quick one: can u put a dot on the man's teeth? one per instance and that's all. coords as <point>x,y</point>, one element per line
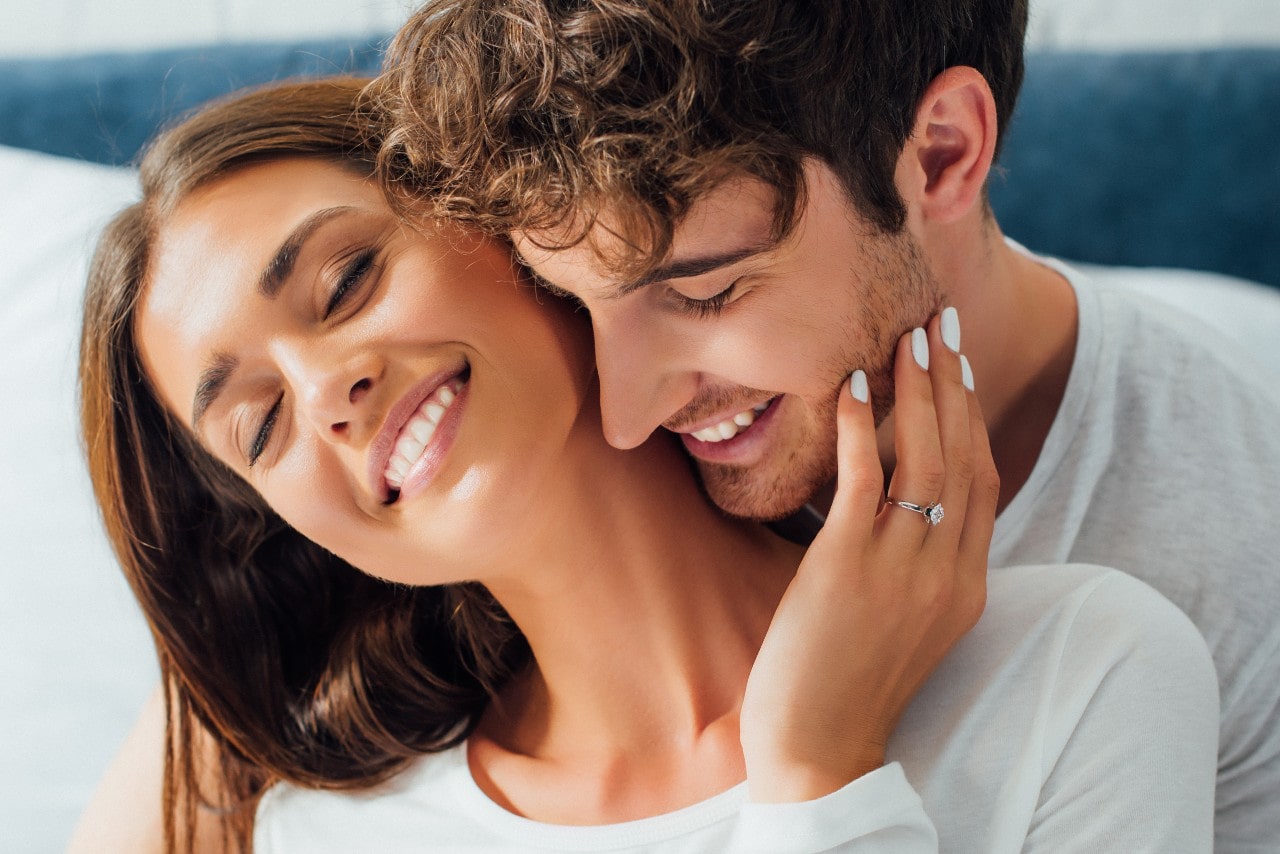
<point>730,427</point>
<point>417,433</point>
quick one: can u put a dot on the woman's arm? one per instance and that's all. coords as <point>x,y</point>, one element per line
<point>126,813</point>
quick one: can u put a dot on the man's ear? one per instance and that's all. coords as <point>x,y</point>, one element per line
<point>945,163</point>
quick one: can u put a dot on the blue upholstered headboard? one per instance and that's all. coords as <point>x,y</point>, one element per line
<point>1146,159</point>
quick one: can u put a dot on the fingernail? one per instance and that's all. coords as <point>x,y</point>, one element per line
<point>951,329</point>
<point>966,373</point>
<point>858,386</point>
<point>920,347</point>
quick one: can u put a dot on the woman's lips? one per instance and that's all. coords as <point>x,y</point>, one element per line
<point>385,444</point>
<point>423,470</point>
<point>419,430</point>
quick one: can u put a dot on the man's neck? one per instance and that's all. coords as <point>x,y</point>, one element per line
<point>1020,320</point>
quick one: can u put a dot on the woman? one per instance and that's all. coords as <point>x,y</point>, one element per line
<point>549,643</point>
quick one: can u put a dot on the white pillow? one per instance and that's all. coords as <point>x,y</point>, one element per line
<point>76,661</point>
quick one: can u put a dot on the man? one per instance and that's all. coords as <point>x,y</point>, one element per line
<point>753,199</point>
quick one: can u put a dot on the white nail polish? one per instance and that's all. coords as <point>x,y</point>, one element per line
<point>858,386</point>
<point>920,347</point>
<point>966,373</point>
<point>951,329</point>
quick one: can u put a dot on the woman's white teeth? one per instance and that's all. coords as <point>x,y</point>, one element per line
<point>730,427</point>
<point>422,430</point>
<point>416,435</point>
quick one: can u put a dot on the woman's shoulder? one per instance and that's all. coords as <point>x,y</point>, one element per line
<point>1061,646</point>
<point>1083,616</point>
<point>1080,596</point>
<point>295,818</point>
<point>1080,685</point>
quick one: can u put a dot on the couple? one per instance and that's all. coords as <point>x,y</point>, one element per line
<point>755,253</point>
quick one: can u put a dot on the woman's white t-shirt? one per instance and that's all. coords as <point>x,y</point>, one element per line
<point>1080,714</point>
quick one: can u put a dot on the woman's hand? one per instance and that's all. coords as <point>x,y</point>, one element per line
<point>881,596</point>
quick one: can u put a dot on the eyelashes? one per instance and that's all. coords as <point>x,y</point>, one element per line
<point>263,435</point>
<point>700,309</point>
<point>709,307</point>
<point>353,274</point>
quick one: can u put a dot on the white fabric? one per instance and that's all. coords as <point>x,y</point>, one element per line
<point>1164,462</point>
<point>75,657</point>
<point>1026,739</point>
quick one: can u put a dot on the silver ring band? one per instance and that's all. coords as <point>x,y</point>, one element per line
<point>932,513</point>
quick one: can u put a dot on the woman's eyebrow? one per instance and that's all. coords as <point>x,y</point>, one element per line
<point>281,265</point>
<point>212,380</point>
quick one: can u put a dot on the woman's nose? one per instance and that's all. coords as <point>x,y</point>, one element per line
<point>333,391</point>
<point>358,390</point>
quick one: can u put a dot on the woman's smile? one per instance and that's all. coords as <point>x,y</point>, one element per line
<point>417,434</point>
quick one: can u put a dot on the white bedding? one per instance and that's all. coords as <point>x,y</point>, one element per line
<point>75,658</point>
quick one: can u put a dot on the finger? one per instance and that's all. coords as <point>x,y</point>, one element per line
<point>984,490</point>
<point>859,476</point>
<point>919,475</point>
<point>951,403</point>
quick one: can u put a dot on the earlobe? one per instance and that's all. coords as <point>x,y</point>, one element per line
<point>953,144</point>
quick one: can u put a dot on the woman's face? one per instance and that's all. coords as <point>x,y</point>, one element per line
<point>400,397</point>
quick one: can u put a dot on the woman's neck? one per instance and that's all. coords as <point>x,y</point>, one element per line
<point>644,608</point>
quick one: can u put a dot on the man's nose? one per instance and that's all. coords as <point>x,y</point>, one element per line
<point>641,381</point>
<point>333,388</point>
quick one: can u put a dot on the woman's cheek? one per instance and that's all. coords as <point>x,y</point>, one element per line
<point>312,492</point>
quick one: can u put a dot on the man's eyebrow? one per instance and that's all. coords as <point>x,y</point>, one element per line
<point>686,268</point>
<point>281,265</point>
<point>213,379</point>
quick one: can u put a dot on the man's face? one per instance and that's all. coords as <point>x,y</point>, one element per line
<point>740,343</point>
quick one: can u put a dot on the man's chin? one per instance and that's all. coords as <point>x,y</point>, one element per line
<point>761,496</point>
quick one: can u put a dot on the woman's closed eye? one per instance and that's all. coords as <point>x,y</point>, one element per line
<point>263,434</point>
<point>352,275</point>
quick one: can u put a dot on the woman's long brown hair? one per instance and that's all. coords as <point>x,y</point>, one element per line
<point>290,663</point>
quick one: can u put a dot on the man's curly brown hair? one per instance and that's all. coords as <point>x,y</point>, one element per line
<point>540,115</point>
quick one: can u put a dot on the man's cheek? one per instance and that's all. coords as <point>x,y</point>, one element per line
<point>780,365</point>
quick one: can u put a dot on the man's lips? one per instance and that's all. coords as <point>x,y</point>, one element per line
<point>384,443</point>
<point>726,424</point>
<point>743,446</point>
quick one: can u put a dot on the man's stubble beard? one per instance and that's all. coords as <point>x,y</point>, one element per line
<point>898,294</point>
